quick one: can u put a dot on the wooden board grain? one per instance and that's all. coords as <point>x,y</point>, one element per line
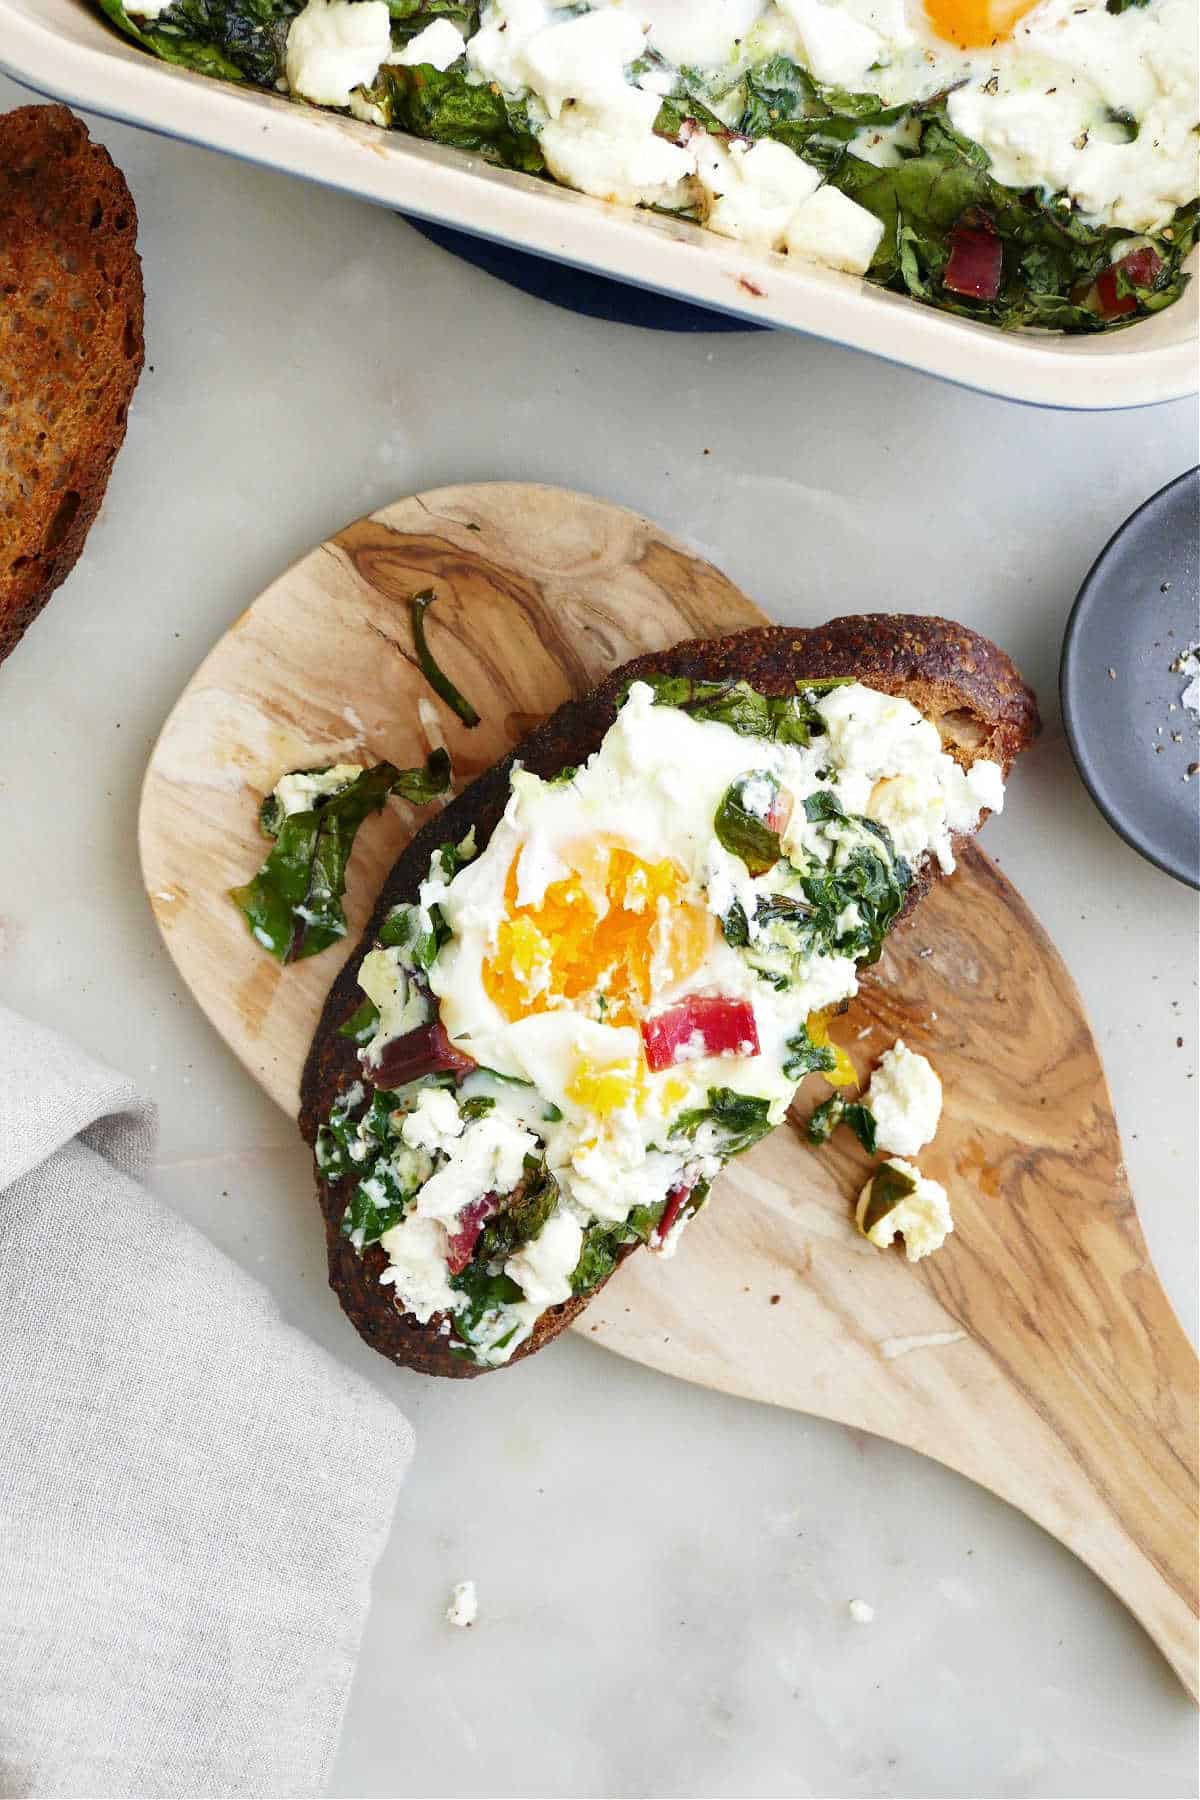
<point>1036,1353</point>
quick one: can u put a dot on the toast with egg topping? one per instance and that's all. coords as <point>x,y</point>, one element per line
<point>603,970</point>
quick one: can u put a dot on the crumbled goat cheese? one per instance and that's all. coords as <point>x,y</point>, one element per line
<point>922,1218</point>
<point>837,47</point>
<point>611,152</point>
<point>488,1158</point>
<point>416,1252</point>
<point>751,192</point>
<point>334,46</point>
<point>543,1268</point>
<point>296,793</point>
<point>905,1098</point>
<point>439,45</point>
<point>434,1123</point>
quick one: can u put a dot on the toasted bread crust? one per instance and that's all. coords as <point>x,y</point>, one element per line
<point>70,347</point>
<point>959,679</point>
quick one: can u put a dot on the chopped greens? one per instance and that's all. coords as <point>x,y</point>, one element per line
<point>521,1215</point>
<point>486,1293</point>
<point>360,1026</point>
<point>859,894</point>
<point>822,806</point>
<point>377,1203</point>
<point>843,906</point>
<point>448,108</point>
<point>368,1143</point>
<point>740,822</point>
<point>808,1058</point>
<point>1052,257</point>
<point>603,1242</point>
<point>784,102</point>
<point>889,1186</point>
<point>215,37</point>
<point>410,929</point>
<point>780,718</point>
<point>293,906</point>
<point>739,1120</point>
<point>437,679</point>
<point>602,1245</point>
<point>837,1111</point>
<point>411,16</point>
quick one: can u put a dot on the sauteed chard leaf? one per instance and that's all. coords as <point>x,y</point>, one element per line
<point>438,680</point>
<point>293,906</point>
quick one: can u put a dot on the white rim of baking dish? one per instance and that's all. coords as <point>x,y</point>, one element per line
<point>69,51</point>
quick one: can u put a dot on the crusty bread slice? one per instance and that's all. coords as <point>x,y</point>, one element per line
<point>70,347</point>
<point>958,679</point>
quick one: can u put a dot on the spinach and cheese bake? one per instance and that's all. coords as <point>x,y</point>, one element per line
<point>1025,162</point>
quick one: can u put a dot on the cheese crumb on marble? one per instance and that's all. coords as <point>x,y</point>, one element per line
<point>861,1611</point>
<point>463,1609</point>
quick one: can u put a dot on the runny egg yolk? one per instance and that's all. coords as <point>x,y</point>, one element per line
<point>975,24</point>
<point>602,940</point>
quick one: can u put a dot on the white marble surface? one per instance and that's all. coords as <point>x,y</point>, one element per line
<point>664,1574</point>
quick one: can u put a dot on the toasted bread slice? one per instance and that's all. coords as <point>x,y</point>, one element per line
<point>70,347</point>
<point>959,680</point>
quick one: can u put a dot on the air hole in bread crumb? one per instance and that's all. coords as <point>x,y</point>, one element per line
<point>64,516</point>
<point>961,727</point>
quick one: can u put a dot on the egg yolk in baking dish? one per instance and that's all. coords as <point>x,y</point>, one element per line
<point>974,24</point>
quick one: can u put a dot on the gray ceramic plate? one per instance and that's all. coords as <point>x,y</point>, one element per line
<point>1134,743</point>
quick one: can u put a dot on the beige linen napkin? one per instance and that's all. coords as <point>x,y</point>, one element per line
<point>192,1495</point>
